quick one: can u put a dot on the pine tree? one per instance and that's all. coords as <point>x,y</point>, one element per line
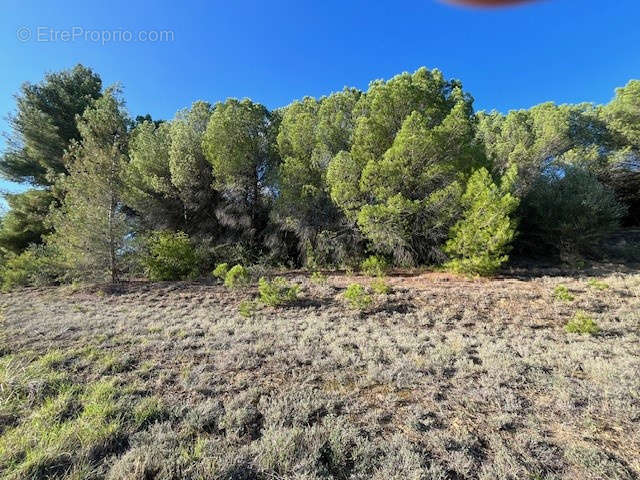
<point>413,146</point>
<point>479,242</point>
<point>239,143</point>
<point>90,227</point>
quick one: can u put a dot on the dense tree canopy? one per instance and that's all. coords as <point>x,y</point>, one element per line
<point>312,132</point>
<point>406,170</point>
<point>623,172</point>
<point>480,240</point>
<point>151,193</point>
<point>43,127</point>
<point>239,144</point>
<point>191,173</point>
<point>45,123</point>
<point>413,146</point>
<point>24,224</point>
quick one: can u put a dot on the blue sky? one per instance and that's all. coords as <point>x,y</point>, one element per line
<point>277,51</point>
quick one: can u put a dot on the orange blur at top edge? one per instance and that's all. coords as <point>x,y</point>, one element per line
<point>487,3</point>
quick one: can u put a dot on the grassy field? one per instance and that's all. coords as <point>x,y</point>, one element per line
<point>441,378</point>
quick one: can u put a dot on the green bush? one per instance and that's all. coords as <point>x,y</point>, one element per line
<point>374,266</point>
<point>18,270</point>
<point>569,212</point>
<point>221,271</point>
<point>247,308</point>
<point>597,285</point>
<point>277,292</point>
<point>169,256</point>
<point>561,292</point>
<point>237,277</point>
<point>480,241</point>
<point>380,287</point>
<point>583,324</point>
<point>36,266</point>
<point>357,297</point>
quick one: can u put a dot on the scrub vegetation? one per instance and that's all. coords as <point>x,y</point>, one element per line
<point>442,377</point>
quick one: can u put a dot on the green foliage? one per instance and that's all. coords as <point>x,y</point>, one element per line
<point>239,145</point>
<point>68,428</point>
<point>374,266</point>
<point>237,277</point>
<point>310,134</point>
<point>583,324</point>
<point>247,308</point>
<point>236,143</point>
<point>540,138</point>
<point>597,285</point>
<point>45,124</point>
<point>90,226</point>
<point>623,114</point>
<point>561,292</point>
<point>318,277</point>
<point>35,266</point>
<point>150,191</point>
<point>622,171</point>
<point>19,270</point>
<point>221,271</point>
<point>404,170</point>
<point>190,172</point>
<point>149,410</point>
<point>357,297</point>
<point>479,242</point>
<point>169,256</point>
<point>380,287</point>
<point>413,141</point>
<point>276,292</point>
<point>569,212</point>
<point>25,222</point>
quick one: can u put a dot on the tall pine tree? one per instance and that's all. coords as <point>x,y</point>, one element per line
<point>90,227</point>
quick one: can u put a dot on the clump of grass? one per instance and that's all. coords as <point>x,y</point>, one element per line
<point>561,293</point>
<point>145,368</point>
<point>380,287</point>
<point>221,271</point>
<point>357,297</point>
<point>583,324</point>
<point>69,428</point>
<point>238,276</point>
<point>276,292</point>
<point>204,417</point>
<point>26,384</point>
<point>247,308</point>
<point>114,363</point>
<point>149,410</point>
<point>319,278</point>
<point>52,359</point>
<point>154,328</point>
<point>241,416</point>
<point>597,285</point>
<point>374,266</point>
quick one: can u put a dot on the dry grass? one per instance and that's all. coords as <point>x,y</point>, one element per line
<point>443,378</point>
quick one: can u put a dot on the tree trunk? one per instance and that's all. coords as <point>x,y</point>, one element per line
<point>112,247</point>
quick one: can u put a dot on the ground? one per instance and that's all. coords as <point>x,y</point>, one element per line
<point>441,378</point>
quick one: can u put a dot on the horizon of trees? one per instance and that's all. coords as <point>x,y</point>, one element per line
<point>406,170</point>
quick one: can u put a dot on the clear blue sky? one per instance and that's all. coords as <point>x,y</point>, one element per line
<point>276,51</point>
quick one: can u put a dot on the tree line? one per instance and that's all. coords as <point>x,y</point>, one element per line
<point>406,170</point>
